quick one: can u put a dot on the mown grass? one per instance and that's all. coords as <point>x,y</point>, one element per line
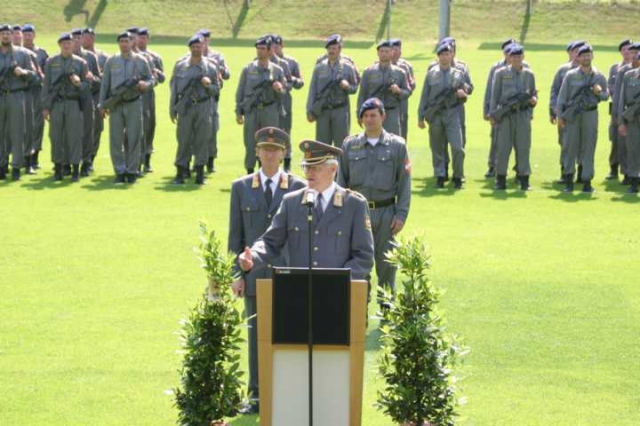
<point>542,285</point>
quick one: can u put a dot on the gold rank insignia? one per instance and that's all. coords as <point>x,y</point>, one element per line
<point>367,223</point>
<point>306,145</point>
<point>284,181</point>
<point>270,131</point>
<point>256,181</point>
<point>337,199</point>
<point>307,154</point>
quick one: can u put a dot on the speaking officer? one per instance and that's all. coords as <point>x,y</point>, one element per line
<point>194,84</point>
<point>581,91</point>
<point>332,81</point>
<point>375,163</point>
<point>65,85</point>
<point>126,76</point>
<point>255,199</point>
<point>387,82</point>
<point>342,227</point>
<point>262,85</point>
<point>513,83</point>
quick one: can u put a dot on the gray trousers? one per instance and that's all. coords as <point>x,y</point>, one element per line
<point>212,148</point>
<point>633,148</point>
<point>250,310</point>
<point>581,136</point>
<point>66,127</point>
<point>618,154</point>
<point>383,241</point>
<point>333,125</point>
<point>392,121</point>
<point>287,121</point>
<point>88,112</point>
<point>445,129</point>
<point>127,118</point>
<point>493,148</point>
<point>29,122</point>
<point>194,134</point>
<point>38,119</point>
<point>149,124</point>
<point>12,129</point>
<point>514,132</point>
<point>98,126</point>
<point>255,120</point>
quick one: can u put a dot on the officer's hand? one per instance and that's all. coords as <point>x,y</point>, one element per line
<point>45,114</point>
<point>562,122</point>
<point>421,124</point>
<point>277,86</point>
<point>486,117</point>
<point>103,112</point>
<point>461,94</point>
<point>310,118</point>
<point>142,86</point>
<point>173,119</point>
<point>206,81</point>
<point>394,89</point>
<point>553,120</point>
<point>344,84</point>
<point>246,260</point>
<point>493,122</point>
<point>396,225</point>
<point>238,287</point>
<point>533,101</point>
<point>75,80</point>
<point>597,89</point>
<point>239,119</point>
<point>622,130</point>
<point>18,72</point>
<point>89,75</point>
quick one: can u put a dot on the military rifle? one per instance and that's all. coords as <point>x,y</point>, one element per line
<point>6,73</point>
<point>323,100</point>
<point>258,95</point>
<point>512,104</point>
<point>118,95</point>
<point>632,109</point>
<point>578,103</point>
<point>189,95</point>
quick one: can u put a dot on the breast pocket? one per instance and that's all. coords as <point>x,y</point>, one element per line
<point>339,239</point>
<point>383,173</point>
<point>250,213</point>
<point>357,167</point>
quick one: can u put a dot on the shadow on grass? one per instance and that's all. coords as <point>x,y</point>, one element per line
<point>40,182</point>
<point>426,187</point>
<point>614,186</point>
<point>509,193</point>
<point>167,185</point>
<point>627,198</point>
<point>574,197</point>
<point>104,183</point>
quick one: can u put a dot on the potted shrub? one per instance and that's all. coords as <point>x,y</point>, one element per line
<point>418,354</point>
<point>211,380</point>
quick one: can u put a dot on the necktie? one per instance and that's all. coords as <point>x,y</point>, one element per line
<point>319,211</point>
<point>268,195</point>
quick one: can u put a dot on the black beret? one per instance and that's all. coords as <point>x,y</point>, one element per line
<point>444,47</point>
<point>624,43</point>
<point>277,39</point>
<point>195,39</point>
<point>575,44</point>
<point>17,28</point>
<point>265,40</point>
<point>204,32</point>
<point>635,46</point>
<point>125,34</point>
<point>317,152</point>
<point>28,28</point>
<point>6,27</point>
<point>384,43</point>
<point>272,136</point>
<point>396,42</point>
<point>507,42</point>
<point>371,103</point>
<point>586,48</point>
<point>143,31</point>
<point>89,30</point>
<point>64,37</point>
<point>515,49</point>
<point>133,30</point>
<point>449,40</point>
<point>333,39</point>
<point>76,31</point>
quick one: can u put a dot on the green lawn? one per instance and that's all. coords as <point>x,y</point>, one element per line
<point>95,278</point>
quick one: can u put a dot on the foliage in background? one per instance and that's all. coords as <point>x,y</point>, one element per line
<point>418,354</point>
<point>211,384</point>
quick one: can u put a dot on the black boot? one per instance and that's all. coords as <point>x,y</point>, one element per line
<point>568,183</point>
<point>446,175</point>
<point>287,165</point>
<point>57,172</point>
<point>200,175</point>
<point>457,183</point>
<point>179,179</point>
<point>524,183</point>
<point>626,180</point>
<point>440,182</point>
<point>93,159</point>
<point>120,179</point>
<point>210,168</point>
<point>75,174</point>
<point>66,169</point>
<point>28,168</point>
<point>579,174</point>
<point>613,173</point>
<point>132,177</point>
<point>147,164</point>
<point>250,171</point>
<point>34,160</point>
<point>501,182</point>
<point>587,187</point>
<point>84,170</point>
<point>633,189</point>
<point>15,173</point>
<point>3,173</point>
<point>490,173</point>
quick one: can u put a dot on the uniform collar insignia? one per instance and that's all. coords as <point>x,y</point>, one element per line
<point>338,198</point>
<point>255,183</point>
<point>284,181</point>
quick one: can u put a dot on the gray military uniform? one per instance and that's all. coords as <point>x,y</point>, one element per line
<point>150,98</point>
<point>617,152</point>
<point>127,116</point>
<point>36,88</point>
<point>404,103</point>
<point>581,132</point>
<point>553,106</point>
<point>258,103</point>
<point>375,84</point>
<point>341,239</point>
<point>191,103</point>
<point>380,173</point>
<point>446,126</point>
<point>98,123</point>
<point>249,218</point>
<point>31,94</point>
<point>89,108</point>
<point>294,81</point>
<point>615,114</point>
<point>514,130</point>
<point>630,95</point>
<point>13,103</point>
<point>62,99</point>
<point>334,122</point>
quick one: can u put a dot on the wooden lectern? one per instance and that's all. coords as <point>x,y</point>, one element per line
<point>339,327</point>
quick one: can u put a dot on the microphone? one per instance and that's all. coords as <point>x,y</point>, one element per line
<point>310,197</point>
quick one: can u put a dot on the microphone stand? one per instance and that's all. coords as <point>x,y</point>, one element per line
<point>310,312</point>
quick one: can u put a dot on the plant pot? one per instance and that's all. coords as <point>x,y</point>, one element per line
<point>214,292</point>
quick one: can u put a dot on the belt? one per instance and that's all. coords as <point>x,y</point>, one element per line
<point>336,106</point>
<point>592,108</point>
<point>7,92</point>
<point>382,203</point>
<point>71,98</point>
<point>200,100</point>
<point>263,105</point>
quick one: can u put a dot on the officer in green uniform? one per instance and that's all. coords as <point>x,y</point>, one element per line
<point>17,73</point>
<point>126,76</point>
<point>513,81</point>
<point>581,91</point>
<point>65,85</point>
<point>28,37</point>
<point>387,82</point>
<point>294,81</point>
<point>255,199</point>
<point>617,152</point>
<point>376,164</point>
<point>194,83</point>
<point>332,81</point>
<point>443,90</point>
<point>397,59</point>
<point>629,118</point>
<point>88,43</point>
<point>262,84</point>
<point>88,107</point>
